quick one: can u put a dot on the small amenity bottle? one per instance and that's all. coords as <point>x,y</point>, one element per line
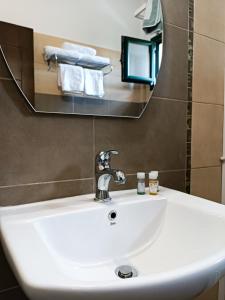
<point>153,182</point>
<point>141,183</point>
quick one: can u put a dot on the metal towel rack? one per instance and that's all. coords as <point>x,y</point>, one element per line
<point>56,59</point>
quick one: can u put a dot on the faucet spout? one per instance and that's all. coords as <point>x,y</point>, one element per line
<point>104,173</point>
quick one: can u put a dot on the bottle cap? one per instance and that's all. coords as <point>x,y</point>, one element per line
<point>140,175</point>
<point>153,175</point>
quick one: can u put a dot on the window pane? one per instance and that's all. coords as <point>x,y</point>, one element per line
<point>138,60</point>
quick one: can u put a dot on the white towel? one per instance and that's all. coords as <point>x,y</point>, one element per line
<point>61,53</point>
<point>71,78</point>
<point>79,48</point>
<point>75,57</point>
<point>93,85</point>
<point>93,62</point>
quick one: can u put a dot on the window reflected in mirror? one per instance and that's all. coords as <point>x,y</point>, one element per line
<point>141,59</point>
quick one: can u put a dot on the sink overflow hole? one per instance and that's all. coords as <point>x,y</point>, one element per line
<point>125,272</point>
<point>112,215</point>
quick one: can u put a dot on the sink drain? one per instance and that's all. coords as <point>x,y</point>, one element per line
<point>126,272</point>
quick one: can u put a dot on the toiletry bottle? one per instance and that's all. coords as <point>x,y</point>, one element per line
<point>141,183</point>
<point>153,182</point>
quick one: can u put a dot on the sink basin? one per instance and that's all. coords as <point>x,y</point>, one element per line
<point>172,246</point>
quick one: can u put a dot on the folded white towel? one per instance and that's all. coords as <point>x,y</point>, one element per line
<point>71,78</point>
<point>75,57</point>
<point>79,48</point>
<point>93,85</point>
<point>93,62</point>
<point>153,16</point>
<point>62,53</point>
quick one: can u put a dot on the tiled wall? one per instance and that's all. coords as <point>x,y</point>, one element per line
<point>208,98</point>
<point>44,157</point>
<point>53,156</point>
<point>208,103</point>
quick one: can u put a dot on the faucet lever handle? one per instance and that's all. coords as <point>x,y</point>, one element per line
<point>110,152</point>
<point>104,157</point>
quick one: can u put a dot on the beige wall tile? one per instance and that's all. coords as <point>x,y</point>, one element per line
<point>209,18</point>
<point>206,183</point>
<point>208,70</point>
<point>207,135</point>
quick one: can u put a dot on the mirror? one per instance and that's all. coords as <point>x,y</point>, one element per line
<point>115,78</point>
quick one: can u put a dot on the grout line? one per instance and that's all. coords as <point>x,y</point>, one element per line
<point>72,180</point>
<point>172,171</point>
<point>176,26</point>
<point>216,104</point>
<point>45,182</point>
<point>9,289</point>
<point>6,79</point>
<point>206,167</point>
<point>161,171</point>
<point>209,37</point>
<point>170,99</point>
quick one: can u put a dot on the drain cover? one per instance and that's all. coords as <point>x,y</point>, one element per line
<point>126,272</point>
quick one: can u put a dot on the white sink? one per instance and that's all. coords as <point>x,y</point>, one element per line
<point>70,248</point>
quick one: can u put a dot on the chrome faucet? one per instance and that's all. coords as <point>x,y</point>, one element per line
<point>103,174</point>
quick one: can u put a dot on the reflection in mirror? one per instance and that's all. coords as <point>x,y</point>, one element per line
<point>141,59</point>
<point>85,71</point>
<point>138,60</point>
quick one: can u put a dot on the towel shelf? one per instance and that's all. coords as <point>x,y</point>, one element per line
<point>57,59</point>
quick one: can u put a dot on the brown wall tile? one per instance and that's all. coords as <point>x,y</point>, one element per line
<point>206,183</point>
<point>207,135</point>
<point>176,12</point>
<point>27,72</point>
<point>15,35</point>
<point>39,148</point>
<point>173,179</point>
<point>172,81</point>
<point>18,50</point>
<point>7,279</point>
<point>14,57</point>
<point>156,141</point>
<point>208,70</point>
<point>4,73</point>
<point>13,294</point>
<point>14,195</point>
<point>210,18</point>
